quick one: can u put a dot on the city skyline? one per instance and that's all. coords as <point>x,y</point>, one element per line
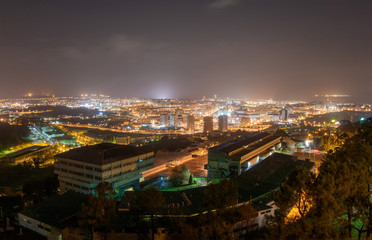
<point>166,49</point>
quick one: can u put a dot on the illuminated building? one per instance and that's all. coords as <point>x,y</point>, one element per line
<point>245,121</point>
<point>283,115</point>
<point>236,156</point>
<point>82,169</point>
<point>50,216</point>
<point>178,121</point>
<point>222,123</point>
<point>171,120</point>
<point>254,187</point>
<point>164,120</point>
<point>208,124</point>
<point>190,122</point>
<point>26,154</point>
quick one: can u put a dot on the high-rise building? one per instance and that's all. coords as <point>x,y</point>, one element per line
<point>171,120</point>
<point>208,124</point>
<point>283,115</point>
<point>164,120</point>
<point>222,123</point>
<point>178,121</point>
<point>245,121</point>
<point>82,169</point>
<point>190,122</point>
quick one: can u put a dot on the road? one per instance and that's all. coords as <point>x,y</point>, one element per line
<point>148,132</point>
<point>196,165</point>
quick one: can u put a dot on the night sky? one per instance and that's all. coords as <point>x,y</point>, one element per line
<point>187,49</point>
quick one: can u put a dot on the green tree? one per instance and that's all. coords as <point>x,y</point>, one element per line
<point>149,202</point>
<point>344,180</point>
<point>190,179</point>
<point>220,196</point>
<point>329,142</point>
<point>294,196</point>
<point>339,197</point>
<point>180,175</point>
<point>100,208</point>
<point>219,201</point>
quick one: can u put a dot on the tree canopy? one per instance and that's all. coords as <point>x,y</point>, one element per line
<point>336,203</point>
<point>100,209</point>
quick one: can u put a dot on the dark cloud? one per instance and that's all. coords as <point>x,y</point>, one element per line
<point>286,49</point>
<point>222,3</point>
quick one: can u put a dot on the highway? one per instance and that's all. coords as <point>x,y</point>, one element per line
<point>152,131</point>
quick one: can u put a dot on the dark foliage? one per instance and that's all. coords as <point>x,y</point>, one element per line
<point>11,135</point>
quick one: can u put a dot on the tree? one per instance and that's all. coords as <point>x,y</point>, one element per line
<point>180,175</point>
<point>220,196</point>
<point>149,202</point>
<point>38,188</point>
<point>219,201</point>
<point>281,133</point>
<point>51,184</point>
<point>294,201</point>
<point>190,179</point>
<point>343,182</point>
<point>100,208</point>
<point>339,197</point>
<point>329,142</point>
<point>37,162</point>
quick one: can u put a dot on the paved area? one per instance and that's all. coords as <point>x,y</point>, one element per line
<point>166,163</point>
<point>196,166</point>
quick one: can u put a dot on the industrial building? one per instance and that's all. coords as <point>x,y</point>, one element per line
<point>254,187</point>
<point>236,156</point>
<point>50,216</point>
<point>82,169</point>
<point>27,154</point>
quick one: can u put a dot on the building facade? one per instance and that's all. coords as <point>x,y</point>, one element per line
<point>190,122</point>
<point>27,154</point>
<point>164,120</point>
<point>236,156</point>
<point>222,123</point>
<point>82,169</point>
<point>208,124</point>
<point>283,115</point>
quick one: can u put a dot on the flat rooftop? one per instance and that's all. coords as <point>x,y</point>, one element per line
<point>56,210</point>
<point>267,175</point>
<point>101,154</point>
<point>261,143</point>
<point>240,142</point>
<point>255,184</point>
<point>25,151</point>
<point>177,202</point>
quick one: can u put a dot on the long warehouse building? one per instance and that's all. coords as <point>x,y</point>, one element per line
<point>236,156</point>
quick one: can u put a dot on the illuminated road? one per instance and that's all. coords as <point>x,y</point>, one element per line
<point>92,127</point>
<point>152,131</point>
<point>196,166</point>
<point>33,112</point>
